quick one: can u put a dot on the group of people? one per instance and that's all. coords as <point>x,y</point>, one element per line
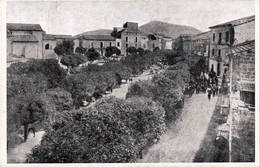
<point>205,83</point>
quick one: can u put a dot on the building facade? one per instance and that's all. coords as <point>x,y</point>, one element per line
<point>223,36</point>
<point>26,41</point>
<point>98,42</point>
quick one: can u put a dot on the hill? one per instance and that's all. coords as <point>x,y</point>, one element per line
<point>168,29</point>
<point>96,32</point>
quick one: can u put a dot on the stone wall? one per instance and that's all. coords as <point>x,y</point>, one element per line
<point>247,68</point>
<point>243,135</point>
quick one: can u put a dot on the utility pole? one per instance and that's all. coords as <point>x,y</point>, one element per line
<point>230,110</point>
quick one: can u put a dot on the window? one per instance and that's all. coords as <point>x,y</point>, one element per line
<point>219,52</point>
<point>219,37</point>
<point>118,44</point>
<point>214,37</point>
<point>144,46</point>
<point>227,36</point>
<point>110,44</point>
<point>126,39</point>
<point>218,69</point>
<point>126,45</point>
<point>47,46</point>
<point>92,45</point>
<point>135,39</point>
<point>153,45</point>
<point>213,52</point>
<point>101,44</point>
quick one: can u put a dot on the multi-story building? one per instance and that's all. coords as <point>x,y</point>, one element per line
<point>98,42</point>
<point>223,36</point>
<point>130,36</point>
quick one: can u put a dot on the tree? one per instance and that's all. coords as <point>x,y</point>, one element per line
<point>59,50</point>
<point>73,60</point>
<point>61,98</point>
<point>29,108</point>
<point>92,54</point>
<point>112,131</point>
<point>131,50</point>
<point>48,67</point>
<point>88,135</point>
<point>66,47</point>
<point>156,49</point>
<point>80,50</point>
<point>140,51</point>
<point>112,50</point>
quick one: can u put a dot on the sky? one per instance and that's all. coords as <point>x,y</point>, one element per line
<point>72,18</point>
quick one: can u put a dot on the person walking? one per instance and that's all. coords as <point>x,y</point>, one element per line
<point>209,90</point>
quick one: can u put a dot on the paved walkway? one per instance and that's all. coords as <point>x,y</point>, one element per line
<point>122,90</point>
<point>181,142</point>
<point>19,153</point>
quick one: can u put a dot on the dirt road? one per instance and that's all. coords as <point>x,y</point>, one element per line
<point>19,153</point>
<point>181,142</point>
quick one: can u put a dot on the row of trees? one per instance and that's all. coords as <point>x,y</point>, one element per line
<point>45,80</point>
<point>116,130</point>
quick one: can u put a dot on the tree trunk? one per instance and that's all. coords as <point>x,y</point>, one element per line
<point>25,132</point>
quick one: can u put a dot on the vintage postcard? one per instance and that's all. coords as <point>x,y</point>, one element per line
<point>130,83</point>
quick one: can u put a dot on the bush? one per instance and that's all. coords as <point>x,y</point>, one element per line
<point>114,130</point>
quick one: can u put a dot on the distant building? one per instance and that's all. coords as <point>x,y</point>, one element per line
<point>130,36</point>
<point>98,42</point>
<point>223,36</point>
<point>24,40</point>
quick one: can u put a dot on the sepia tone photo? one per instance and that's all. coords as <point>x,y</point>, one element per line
<point>131,81</point>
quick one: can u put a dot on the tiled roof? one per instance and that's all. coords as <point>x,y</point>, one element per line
<point>99,37</point>
<point>24,27</point>
<point>62,36</point>
<point>236,22</point>
<point>24,38</point>
<point>48,37</point>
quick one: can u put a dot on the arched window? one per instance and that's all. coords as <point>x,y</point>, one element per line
<point>47,46</point>
<point>101,44</point>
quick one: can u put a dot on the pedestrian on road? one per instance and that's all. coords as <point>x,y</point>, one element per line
<point>209,90</point>
<point>214,90</point>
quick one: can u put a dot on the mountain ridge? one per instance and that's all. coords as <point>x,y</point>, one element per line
<point>158,27</point>
<point>168,29</point>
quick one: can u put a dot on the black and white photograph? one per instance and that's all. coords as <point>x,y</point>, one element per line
<point>140,82</point>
